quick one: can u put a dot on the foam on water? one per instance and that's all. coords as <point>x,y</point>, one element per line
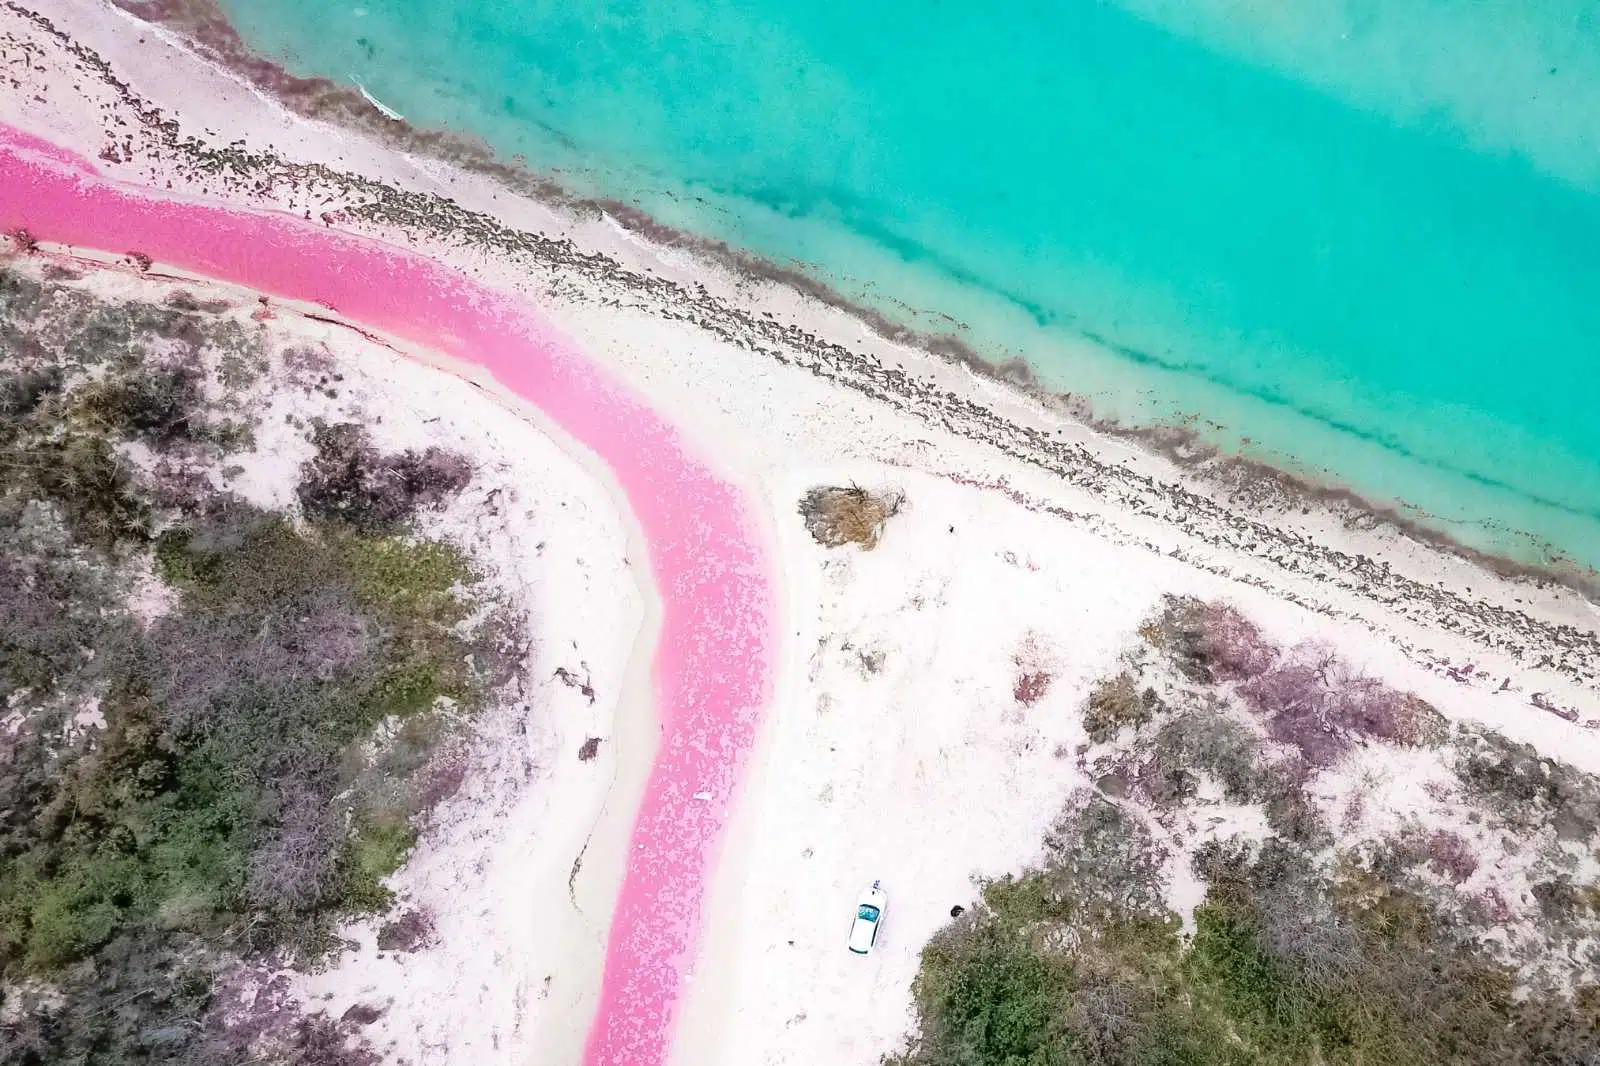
<point>1360,242</point>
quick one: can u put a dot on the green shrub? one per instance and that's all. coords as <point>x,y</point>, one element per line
<point>377,850</point>
<point>1299,954</point>
<point>158,405</point>
<point>1118,704</point>
<point>1286,967</point>
<point>80,473</point>
<point>235,729</point>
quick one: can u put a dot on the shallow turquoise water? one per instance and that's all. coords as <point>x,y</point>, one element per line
<point>1363,242</point>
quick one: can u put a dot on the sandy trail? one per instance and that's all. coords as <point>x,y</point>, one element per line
<point>712,660</point>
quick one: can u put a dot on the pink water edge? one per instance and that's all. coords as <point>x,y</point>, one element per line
<point>713,658</point>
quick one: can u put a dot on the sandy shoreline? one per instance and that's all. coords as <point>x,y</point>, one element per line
<point>465,217</point>
<point>203,24</point>
<point>1033,535</point>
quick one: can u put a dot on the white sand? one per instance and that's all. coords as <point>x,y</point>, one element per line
<point>893,747</point>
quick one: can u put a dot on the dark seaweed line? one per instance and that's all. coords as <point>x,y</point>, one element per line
<point>1563,648</point>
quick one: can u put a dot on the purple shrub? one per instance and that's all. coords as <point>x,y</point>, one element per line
<point>348,481</point>
<point>1162,782</point>
<point>411,931</point>
<point>442,779</point>
<point>1030,687</point>
<point>207,663</point>
<point>1310,699</point>
<point>1296,700</point>
<point>296,869</point>
<point>1451,856</point>
<point>256,1018</point>
<point>1370,708</point>
<point>1492,908</point>
<point>321,1041</point>
<point>328,634</point>
<point>251,1002</point>
<point>1233,645</point>
<point>1210,642</point>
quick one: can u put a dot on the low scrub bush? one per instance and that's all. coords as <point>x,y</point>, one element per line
<point>1117,704</point>
<point>1285,967</point>
<point>1450,855</point>
<point>1300,954</point>
<point>408,932</point>
<point>235,776</point>
<point>839,515</point>
<point>349,481</point>
<point>158,405</point>
<point>1516,784</point>
<point>1209,742</point>
<point>1101,861</point>
<point>1209,642</point>
<point>1307,697</point>
<point>82,475</point>
<point>22,391</point>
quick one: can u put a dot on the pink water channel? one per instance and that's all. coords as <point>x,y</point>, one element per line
<point>715,648</point>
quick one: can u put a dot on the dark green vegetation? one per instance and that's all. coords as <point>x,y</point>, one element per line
<point>1285,966</point>
<point>1307,949</point>
<point>229,779</point>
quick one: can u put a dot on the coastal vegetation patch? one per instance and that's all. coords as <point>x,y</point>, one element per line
<point>223,724</point>
<point>837,515</point>
<point>1284,862</point>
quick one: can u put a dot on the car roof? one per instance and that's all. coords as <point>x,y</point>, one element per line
<point>862,934</point>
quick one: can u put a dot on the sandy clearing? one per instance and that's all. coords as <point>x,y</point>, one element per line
<point>897,750</point>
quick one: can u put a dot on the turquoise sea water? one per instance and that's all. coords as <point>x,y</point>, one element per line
<point>1361,241</point>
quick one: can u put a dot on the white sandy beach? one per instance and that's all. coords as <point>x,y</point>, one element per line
<point>894,747</point>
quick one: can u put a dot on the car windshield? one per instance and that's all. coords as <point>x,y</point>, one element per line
<point>867,913</point>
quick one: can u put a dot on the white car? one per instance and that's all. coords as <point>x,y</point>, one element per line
<point>869,915</point>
